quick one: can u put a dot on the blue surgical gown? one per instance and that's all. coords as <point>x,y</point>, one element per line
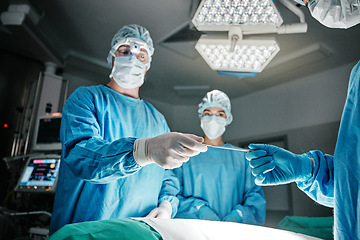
<point>222,180</point>
<point>99,178</point>
<point>336,179</point>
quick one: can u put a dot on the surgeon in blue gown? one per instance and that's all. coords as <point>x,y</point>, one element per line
<point>218,184</point>
<point>332,181</point>
<point>116,146</point>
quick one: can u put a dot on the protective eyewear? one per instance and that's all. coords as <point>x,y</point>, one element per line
<point>135,46</point>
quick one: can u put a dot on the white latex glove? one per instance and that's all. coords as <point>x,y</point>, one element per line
<point>168,150</point>
<point>163,211</point>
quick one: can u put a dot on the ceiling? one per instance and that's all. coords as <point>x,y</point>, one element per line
<point>76,35</point>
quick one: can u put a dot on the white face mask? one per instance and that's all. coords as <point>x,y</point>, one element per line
<point>213,126</point>
<point>128,72</point>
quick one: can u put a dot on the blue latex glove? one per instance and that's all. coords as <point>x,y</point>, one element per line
<point>207,213</point>
<point>233,216</point>
<point>273,165</point>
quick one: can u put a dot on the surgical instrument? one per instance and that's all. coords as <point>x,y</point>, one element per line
<point>230,148</point>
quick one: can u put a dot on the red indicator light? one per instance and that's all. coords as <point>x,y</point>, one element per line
<point>5,125</point>
<point>55,114</point>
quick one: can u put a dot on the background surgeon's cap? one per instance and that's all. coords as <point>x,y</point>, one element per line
<point>216,98</point>
<point>132,31</point>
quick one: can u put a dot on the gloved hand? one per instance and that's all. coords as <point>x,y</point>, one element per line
<point>207,213</point>
<point>233,216</point>
<point>163,211</point>
<point>168,150</point>
<point>273,165</point>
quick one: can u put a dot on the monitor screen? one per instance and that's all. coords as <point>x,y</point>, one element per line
<point>40,174</point>
<point>47,134</point>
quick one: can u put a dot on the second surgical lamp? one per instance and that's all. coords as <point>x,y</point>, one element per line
<point>226,49</point>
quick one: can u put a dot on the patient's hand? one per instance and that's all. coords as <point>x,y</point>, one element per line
<point>163,211</point>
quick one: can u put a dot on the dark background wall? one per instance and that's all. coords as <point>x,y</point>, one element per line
<point>17,74</point>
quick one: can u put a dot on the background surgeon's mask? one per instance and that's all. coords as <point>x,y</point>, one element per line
<point>213,126</point>
<point>128,72</point>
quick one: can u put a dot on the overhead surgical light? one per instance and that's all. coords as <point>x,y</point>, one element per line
<point>218,15</point>
<point>16,14</point>
<point>242,55</point>
<point>231,53</point>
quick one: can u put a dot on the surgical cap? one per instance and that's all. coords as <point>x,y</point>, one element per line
<point>132,31</point>
<point>216,98</point>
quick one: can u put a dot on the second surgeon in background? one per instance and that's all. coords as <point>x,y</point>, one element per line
<point>218,184</point>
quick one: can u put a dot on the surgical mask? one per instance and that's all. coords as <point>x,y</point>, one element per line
<point>213,126</point>
<point>128,72</point>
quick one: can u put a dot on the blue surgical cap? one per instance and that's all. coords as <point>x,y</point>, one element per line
<point>216,98</point>
<point>132,31</point>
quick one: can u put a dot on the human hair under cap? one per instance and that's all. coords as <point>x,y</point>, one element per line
<point>132,31</point>
<point>216,98</point>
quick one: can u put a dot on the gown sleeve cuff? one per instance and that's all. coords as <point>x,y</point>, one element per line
<point>139,152</point>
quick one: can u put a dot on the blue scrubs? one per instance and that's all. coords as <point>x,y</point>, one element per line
<point>222,180</point>
<point>99,178</point>
<point>336,180</point>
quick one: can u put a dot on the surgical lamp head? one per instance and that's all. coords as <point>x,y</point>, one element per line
<point>136,37</point>
<point>216,98</point>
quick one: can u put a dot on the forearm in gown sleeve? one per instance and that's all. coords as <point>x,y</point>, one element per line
<point>187,205</point>
<point>96,161</point>
<point>170,188</point>
<point>320,187</point>
<point>87,154</point>
<point>252,210</point>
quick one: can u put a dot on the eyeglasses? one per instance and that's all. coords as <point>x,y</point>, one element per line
<point>130,47</point>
